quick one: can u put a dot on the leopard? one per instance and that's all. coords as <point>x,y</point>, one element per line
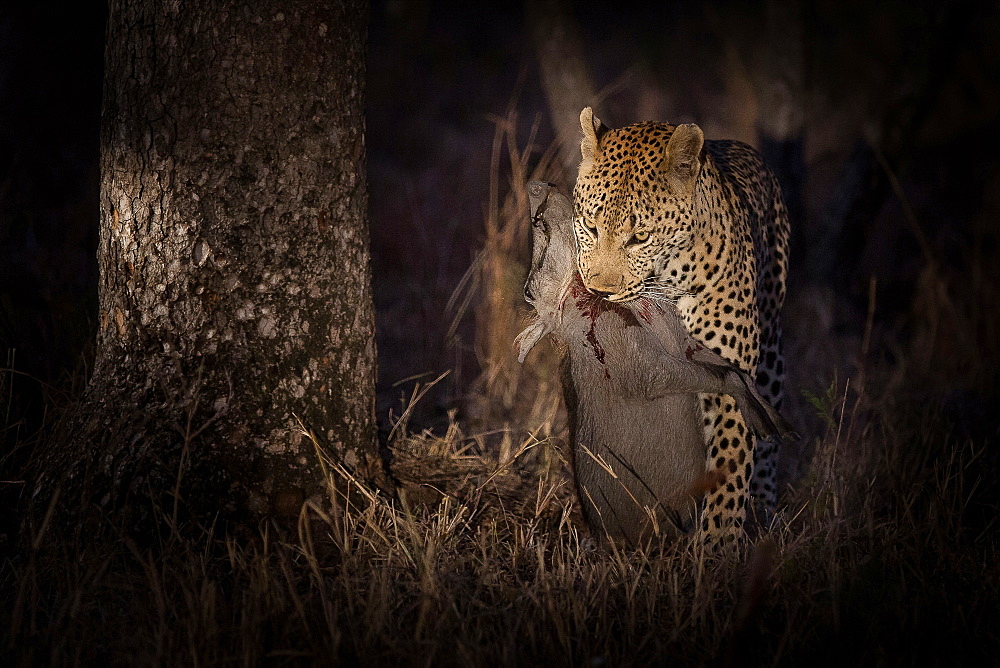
<point>661,213</point>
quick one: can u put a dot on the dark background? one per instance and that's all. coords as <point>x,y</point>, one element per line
<point>896,90</point>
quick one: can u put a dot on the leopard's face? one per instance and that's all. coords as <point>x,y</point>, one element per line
<point>632,205</point>
<point>622,248</point>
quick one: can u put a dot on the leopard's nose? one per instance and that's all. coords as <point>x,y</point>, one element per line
<point>604,283</point>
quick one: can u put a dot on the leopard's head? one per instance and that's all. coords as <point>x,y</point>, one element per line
<point>633,202</point>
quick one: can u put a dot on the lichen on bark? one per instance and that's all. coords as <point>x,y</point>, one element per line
<point>235,289</point>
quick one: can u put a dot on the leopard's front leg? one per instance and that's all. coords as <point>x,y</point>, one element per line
<point>729,463</point>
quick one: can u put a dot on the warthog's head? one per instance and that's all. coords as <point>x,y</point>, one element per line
<point>553,260</point>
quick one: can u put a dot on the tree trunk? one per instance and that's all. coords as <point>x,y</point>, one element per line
<point>235,288</point>
<point>565,80</point>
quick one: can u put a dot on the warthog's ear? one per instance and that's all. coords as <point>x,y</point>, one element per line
<point>538,192</point>
<point>683,159</point>
<point>590,147</point>
<point>528,337</point>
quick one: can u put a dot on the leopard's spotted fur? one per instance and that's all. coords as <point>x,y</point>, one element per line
<point>662,213</point>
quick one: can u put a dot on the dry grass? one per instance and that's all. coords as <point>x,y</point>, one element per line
<point>491,292</point>
<point>886,551</point>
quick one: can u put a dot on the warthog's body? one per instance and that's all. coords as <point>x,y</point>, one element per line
<point>632,377</point>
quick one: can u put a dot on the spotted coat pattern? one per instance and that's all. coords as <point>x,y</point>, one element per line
<point>661,213</point>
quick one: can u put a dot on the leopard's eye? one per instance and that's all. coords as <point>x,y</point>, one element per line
<point>589,224</point>
<point>640,236</point>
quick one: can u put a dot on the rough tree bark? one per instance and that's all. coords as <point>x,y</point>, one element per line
<point>235,289</point>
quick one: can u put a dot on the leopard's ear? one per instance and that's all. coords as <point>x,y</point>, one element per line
<point>590,147</point>
<point>684,158</point>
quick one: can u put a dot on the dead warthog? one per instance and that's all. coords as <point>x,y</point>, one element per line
<point>631,376</point>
